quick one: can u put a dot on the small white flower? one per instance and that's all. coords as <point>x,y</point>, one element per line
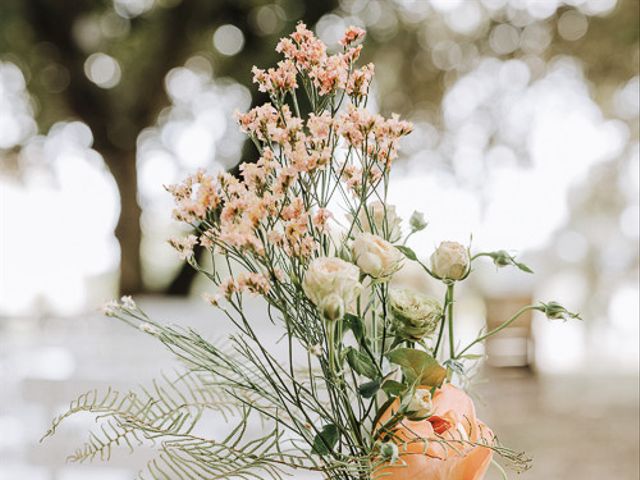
<point>375,256</point>
<point>128,303</point>
<point>148,328</point>
<point>328,276</point>
<point>110,308</point>
<point>375,213</point>
<point>420,405</point>
<point>450,261</point>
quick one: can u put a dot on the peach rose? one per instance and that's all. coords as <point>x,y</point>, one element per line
<point>453,418</point>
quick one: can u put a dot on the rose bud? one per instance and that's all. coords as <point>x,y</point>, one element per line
<point>501,258</point>
<point>417,221</point>
<point>332,307</point>
<point>375,256</point>
<point>389,452</point>
<point>419,405</point>
<point>555,311</point>
<point>450,261</point>
<point>415,316</point>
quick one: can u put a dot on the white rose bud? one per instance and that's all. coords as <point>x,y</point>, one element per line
<point>376,211</point>
<point>450,261</point>
<point>419,405</point>
<point>327,276</point>
<point>415,316</point>
<point>332,307</point>
<point>375,256</point>
<point>389,451</point>
<point>417,221</point>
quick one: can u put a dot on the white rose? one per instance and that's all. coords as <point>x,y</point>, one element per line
<point>375,256</point>
<point>420,405</point>
<point>376,211</point>
<point>328,276</point>
<point>450,261</point>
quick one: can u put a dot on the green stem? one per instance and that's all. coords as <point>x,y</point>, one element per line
<point>440,334</point>
<point>452,347</point>
<point>497,329</point>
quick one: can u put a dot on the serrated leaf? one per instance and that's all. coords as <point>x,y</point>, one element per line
<point>369,389</point>
<point>325,440</point>
<point>361,363</point>
<point>418,366</point>
<point>407,252</point>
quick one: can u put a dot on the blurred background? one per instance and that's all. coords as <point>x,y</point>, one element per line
<point>526,136</point>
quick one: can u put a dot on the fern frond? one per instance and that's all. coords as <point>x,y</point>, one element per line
<point>171,406</point>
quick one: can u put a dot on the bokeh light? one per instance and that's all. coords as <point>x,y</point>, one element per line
<point>228,40</point>
<point>103,70</point>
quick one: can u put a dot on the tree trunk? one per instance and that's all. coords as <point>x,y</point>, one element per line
<point>128,230</point>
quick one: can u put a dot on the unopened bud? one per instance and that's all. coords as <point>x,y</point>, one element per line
<point>555,311</point>
<point>332,307</point>
<point>419,406</point>
<point>389,451</point>
<point>502,259</point>
<point>417,221</point>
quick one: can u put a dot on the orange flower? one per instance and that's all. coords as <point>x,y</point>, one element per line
<point>448,453</point>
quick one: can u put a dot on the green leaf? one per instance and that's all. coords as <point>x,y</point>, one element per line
<point>324,441</point>
<point>523,267</point>
<point>418,366</point>
<point>410,254</point>
<point>472,356</point>
<point>393,388</point>
<point>369,389</point>
<point>361,363</point>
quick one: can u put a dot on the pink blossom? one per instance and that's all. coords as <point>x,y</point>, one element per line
<point>184,246</point>
<point>359,81</point>
<point>352,34</point>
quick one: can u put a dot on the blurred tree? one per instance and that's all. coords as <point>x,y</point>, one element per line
<point>53,42</point>
<point>420,48</point>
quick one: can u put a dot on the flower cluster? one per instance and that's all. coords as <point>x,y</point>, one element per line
<point>276,211</point>
<point>376,395</point>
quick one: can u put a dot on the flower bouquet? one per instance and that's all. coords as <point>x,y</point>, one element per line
<point>372,383</point>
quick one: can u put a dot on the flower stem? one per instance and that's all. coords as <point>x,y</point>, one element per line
<point>452,347</point>
<point>498,328</point>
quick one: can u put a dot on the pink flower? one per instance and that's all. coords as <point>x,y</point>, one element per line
<point>320,219</point>
<point>319,126</point>
<point>184,246</point>
<point>360,81</point>
<point>255,283</point>
<point>276,80</point>
<point>330,75</point>
<point>352,34</point>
